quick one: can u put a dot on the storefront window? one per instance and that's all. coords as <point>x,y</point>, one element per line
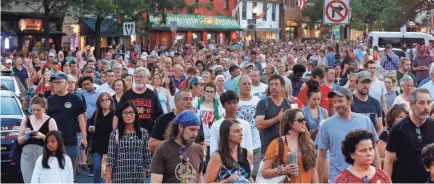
<point>210,36</point>
<point>197,36</point>
<point>181,38</point>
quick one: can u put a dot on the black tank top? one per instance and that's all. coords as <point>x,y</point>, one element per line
<point>44,130</point>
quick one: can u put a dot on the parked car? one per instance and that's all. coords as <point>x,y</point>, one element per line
<point>11,82</point>
<point>11,115</point>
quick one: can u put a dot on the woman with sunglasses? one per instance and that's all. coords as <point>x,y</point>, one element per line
<point>128,156</point>
<point>358,148</point>
<point>396,113</point>
<point>407,85</point>
<point>295,138</point>
<point>230,163</point>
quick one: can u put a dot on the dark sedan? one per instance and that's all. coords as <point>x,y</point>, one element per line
<point>11,116</point>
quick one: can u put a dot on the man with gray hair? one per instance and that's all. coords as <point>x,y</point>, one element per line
<point>145,100</point>
<point>183,101</point>
<point>403,161</point>
<point>430,85</point>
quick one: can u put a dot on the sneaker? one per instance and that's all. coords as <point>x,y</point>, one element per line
<point>90,175</point>
<point>90,172</point>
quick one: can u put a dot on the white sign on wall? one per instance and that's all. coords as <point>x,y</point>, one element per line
<point>129,28</point>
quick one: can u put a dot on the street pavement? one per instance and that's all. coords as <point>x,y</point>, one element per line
<point>83,178</point>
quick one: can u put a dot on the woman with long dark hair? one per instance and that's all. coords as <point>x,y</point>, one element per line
<point>54,166</point>
<point>101,126</point>
<point>128,156</point>
<point>169,85</point>
<point>230,163</point>
<point>296,138</point>
<point>33,143</point>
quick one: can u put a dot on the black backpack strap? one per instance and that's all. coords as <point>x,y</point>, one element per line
<point>281,147</point>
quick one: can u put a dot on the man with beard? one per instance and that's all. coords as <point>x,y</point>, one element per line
<point>229,100</point>
<point>144,99</point>
<point>404,68</point>
<point>403,160</point>
<point>183,101</point>
<point>179,159</point>
<point>270,110</point>
<point>333,130</point>
<point>365,104</point>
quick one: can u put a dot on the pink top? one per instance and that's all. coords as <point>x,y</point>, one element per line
<point>348,177</point>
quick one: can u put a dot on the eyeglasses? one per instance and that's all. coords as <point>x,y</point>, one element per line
<point>419,136</point>
<point>209,92</point>
<point>139,76</point>
<point>128,113</point>
<point>57,82</point>
<point>301,120</point>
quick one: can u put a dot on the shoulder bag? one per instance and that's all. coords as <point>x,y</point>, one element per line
<point>277,179</point>
<point>105,158</point>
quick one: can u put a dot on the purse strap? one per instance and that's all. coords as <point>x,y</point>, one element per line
<point>281,147</point>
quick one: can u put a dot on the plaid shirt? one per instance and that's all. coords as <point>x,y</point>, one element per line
<point>390,62</point>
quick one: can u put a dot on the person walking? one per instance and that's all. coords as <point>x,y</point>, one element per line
<point>54,166</point>
<point>179,159</point>
<point>330,139</point>
<point>230,163</point>
<point>32,133</point>
<point>295,137</point>
<point>128,157</point>
<point>358,150</point>
<point>313,111</point>
<point>100,127</point>
<point>120,86</point>
<point>403,160</point>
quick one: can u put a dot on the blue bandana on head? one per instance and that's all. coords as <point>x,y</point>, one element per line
<point>187,118</point>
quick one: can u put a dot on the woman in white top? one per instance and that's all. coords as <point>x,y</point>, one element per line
<point>54,166</point>
<point>162,93</point>
<point>407,85</point>
<point>169,85</point>
<point>219,82</point>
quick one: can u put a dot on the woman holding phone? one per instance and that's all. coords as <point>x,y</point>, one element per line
<point>33,130</point>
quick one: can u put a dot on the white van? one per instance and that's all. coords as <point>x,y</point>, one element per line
<point>397,39</point>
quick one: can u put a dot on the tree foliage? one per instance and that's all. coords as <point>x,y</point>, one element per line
<point>314,12</point>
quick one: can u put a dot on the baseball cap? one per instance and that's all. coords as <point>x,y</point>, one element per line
<point>59,75</point>
<point>197,80</point>
<point>187,118</point>
<point>247,64</point>
<point>8,61</point>
<point>341,91</point>
<point>55,63</point>
<point>363,75</point>
<point>51,54</point>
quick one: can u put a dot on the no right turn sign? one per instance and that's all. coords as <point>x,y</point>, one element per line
<point>336,11</point>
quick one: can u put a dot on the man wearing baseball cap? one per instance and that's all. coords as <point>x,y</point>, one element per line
<point>68,110</point>
<point>329,137</point>
<point>179,152</point>
<point>197,85</point>
<point>8,64</point>
<point>365,104</point>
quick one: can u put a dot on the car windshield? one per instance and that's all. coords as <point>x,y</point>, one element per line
<point>8,83</point>
<point>9,106</point>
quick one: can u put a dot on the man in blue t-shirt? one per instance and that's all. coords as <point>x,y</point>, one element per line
<point>329,137</point>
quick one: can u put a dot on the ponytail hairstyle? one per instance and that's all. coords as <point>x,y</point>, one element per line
<point>39,99</point>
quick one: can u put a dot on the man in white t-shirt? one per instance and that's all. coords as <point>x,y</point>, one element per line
<point>258,88</point>
<point>246,111</point>
<point>229,100</point>
<point>378,89</point>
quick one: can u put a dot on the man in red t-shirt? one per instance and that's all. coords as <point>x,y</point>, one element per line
<point>318,74</point>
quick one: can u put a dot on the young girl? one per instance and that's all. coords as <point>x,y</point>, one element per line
<point>54,166</point>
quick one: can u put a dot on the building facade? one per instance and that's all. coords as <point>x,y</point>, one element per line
<point>265,15</point>
<point>292,21</point>
<point>216,25</point>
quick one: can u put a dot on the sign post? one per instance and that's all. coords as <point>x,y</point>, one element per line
<point>336,12</point>
<point>173,28</point>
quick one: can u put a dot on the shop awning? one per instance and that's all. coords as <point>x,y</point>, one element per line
<point>109,27</point>
<point>189,22</point>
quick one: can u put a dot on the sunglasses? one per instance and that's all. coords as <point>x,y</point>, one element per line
<point>419,136</point>
<point>183,155</point>
<point>301,120</point>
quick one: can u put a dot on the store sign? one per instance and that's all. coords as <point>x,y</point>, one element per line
<point>30,24</point>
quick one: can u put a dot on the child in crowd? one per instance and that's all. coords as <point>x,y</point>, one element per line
<point>428,161</point>
<point>54,166</point>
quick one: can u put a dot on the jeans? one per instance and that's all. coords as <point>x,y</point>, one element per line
<point>71,151</point>
<point>97,159</point>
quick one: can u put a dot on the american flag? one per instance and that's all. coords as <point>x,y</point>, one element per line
<point>260,16</point>
<point>301,4</point>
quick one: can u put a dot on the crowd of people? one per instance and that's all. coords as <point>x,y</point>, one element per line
<point>241,112</point>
